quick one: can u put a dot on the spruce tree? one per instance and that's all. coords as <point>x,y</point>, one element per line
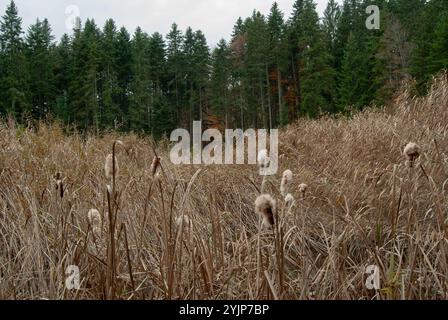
<point>40,63</point>
<point>140,104</point>
<point>13,78</point>
<point>220,81</point>
<point>109,86</point>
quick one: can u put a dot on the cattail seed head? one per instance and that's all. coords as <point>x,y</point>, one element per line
<point>303,188</point>
<point>59,186</point>
<point>411,152</point>
<point>108,166</point>
<point>263,159</point>
<point>286,182</point>
<point>265,206</point>
<point>95,221</point>
<point>94,217</point>
<point>183,221</point>
<point>155,165</point>
<point>289,200</point>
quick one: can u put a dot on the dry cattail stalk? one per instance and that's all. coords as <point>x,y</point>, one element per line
<point>108,166</point>
<point>286,182</point>
<point>289,200</point>
<point>265,207</point>
<point>411,152</point>
<point>155,165</point>
<point>303,188</point>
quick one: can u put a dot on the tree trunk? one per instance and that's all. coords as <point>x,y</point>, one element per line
<point>268,86</point>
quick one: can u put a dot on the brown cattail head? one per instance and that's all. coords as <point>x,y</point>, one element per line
<point>58,176</point>
<point>108,166</point>
<point>60,188</point>
<point>155,165</point>
<point>303,188</point>
<point>59,184</point>
<point>411,152</point>
<point>265,206</point>
<point>286,182</point>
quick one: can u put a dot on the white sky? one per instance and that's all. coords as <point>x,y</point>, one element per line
<point>214,17</point>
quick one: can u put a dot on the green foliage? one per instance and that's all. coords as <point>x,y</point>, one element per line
<point>271,70</point>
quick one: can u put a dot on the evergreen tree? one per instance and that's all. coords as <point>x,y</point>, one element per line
<point>84,94</point>
<point>175,72</point>
<point>39,51</point>
<point>255,71</point>
<point>278,62</point>
<point>315,74</point>
<point>220,81</point>
<point>13,78</point>
<point>140,105</point>
<point>124,72</point>
<point>439,47</point>
<point>109,86</point>
<point>62,73</point>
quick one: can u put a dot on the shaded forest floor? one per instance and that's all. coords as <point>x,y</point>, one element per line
<point>364,207</point>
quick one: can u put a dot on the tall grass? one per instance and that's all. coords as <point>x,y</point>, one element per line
<point>190,232</point>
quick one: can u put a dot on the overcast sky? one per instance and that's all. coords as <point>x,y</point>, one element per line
<point>214,17</point>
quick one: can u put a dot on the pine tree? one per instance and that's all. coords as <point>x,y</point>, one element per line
<point>39,50</point>
<point>62,72</point>
<point>359,76</point>
<point>175,72</point>
<point>124,72</point>
<point>13,78</point>
<point>140,105</point>
<point>332,14</point>
<point>84,93</point>
<point>439,47</point>
<point>256,68</point>
<point>314,74</point>
<point>220,81</point>
<point>278,62</point>
<point>163,116</point>
<point>109,87</point>
<point>201,62</point>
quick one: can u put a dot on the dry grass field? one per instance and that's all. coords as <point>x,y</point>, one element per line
<point>364,206</point>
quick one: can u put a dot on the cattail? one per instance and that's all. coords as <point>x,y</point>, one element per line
<point>95,221</point>
<point>58,176</point>
<point>183,221</point>
<point>289,200</point>
<point>411,152</point>
<point>263,159</point>
<point>155,165</point>
<point>286,182</point>
<point>94,217</point>
<point>60,188</point>
<point>265,207</point>
<point>59,184</point>
<point>108,166</point>
<point>303,188</point>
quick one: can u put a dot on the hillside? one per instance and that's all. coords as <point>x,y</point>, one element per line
<point>363,207</point>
